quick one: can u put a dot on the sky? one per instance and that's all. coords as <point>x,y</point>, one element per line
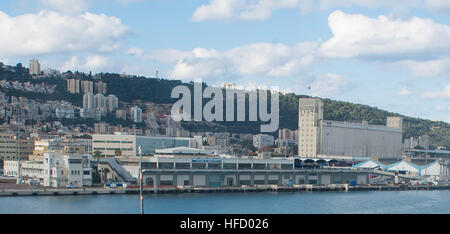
<point>394,55</point>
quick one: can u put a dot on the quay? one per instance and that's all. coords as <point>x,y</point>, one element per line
<point>168,190</point>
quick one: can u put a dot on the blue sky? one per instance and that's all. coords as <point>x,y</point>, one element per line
<point>394,55</point>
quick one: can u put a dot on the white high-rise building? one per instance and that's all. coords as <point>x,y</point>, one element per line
<point>35,67</point>
<point>88,101</point>
<point>100,103</point>
<point>136,114</point>
<point>112,103</point>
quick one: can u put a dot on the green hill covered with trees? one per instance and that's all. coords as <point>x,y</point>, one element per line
<point>129,89</point>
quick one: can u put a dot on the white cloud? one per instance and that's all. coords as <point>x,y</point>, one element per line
<point>265,59</point>
<point>94,63</point>
<point>444,94</point>
<point>49,32</point>
<point>442,6</point>
<point>240,9</point>
<point>328,85</point>
<point>372,4</point>
<point>443,108</point>
<point>404,92</point>
<point>67,6</point>
<point>129,1</point>
<point>75,6</point>
<point>356,35</point>
<point>439,5</point>
<point>428,68</point>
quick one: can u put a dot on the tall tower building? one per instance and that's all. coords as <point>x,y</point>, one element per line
<point>100,87</point>
<point>35,67</point>
<point>136,114</point>
<point>87,86</point>
<point>73,86</point>
<point>112,103</point>
<point>99,101</point>
<point>88,101</point>
<point>310,115</point>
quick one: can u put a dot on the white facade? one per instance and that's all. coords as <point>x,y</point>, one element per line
<point>360,140</point>
<point>112,103</point>
<point>333,138</point>
<point>88,101</point>
<point>55,170</point>
<point>35,67</point>
<point>128,144</point>
<point>136,114</point>
<point>68,113</point>
<point>262,140</point>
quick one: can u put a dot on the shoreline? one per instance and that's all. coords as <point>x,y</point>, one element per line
<point>175,190</point>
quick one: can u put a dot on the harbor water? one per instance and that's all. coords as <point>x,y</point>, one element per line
<point>370,202</point>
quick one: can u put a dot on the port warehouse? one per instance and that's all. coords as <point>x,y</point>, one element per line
<point>436,168</point>
<point>214,172</point>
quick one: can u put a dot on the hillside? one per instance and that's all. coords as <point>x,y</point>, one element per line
<point>157,91</point>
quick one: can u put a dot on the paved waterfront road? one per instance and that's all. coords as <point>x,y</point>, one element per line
<point>378,202</point>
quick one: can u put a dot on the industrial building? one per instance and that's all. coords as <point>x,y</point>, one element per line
<point>107,144</point>
<point>436,168</point>
<point>199,168</point>
<point>319,137</point>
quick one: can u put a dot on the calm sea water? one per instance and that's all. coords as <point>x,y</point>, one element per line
<point>374,202</point>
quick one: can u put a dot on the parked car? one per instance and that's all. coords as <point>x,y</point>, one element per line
<point>71,186</point>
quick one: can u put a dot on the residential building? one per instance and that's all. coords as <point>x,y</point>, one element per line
<point>100,87</point>
<point>65,112</point>
<point>100,103</point>
<point>88,101</point>
<point>136,114</point>
<point>413,142</point>
<point>112,103</point>
<point>287,134</point>
<point>87,86</point>
<point>35,67</point>
<point>121,114</point>
<point>73,85</point>
<point>10,145</point>
<point>262,140</point>
<point>54,170</point>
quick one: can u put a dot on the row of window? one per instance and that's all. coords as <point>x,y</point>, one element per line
<point>75,172</point>
<point>13,147</point>
<point>123,149</point>
<point>123,142</point>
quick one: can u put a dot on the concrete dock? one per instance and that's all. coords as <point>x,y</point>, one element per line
<point>268,188</point>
